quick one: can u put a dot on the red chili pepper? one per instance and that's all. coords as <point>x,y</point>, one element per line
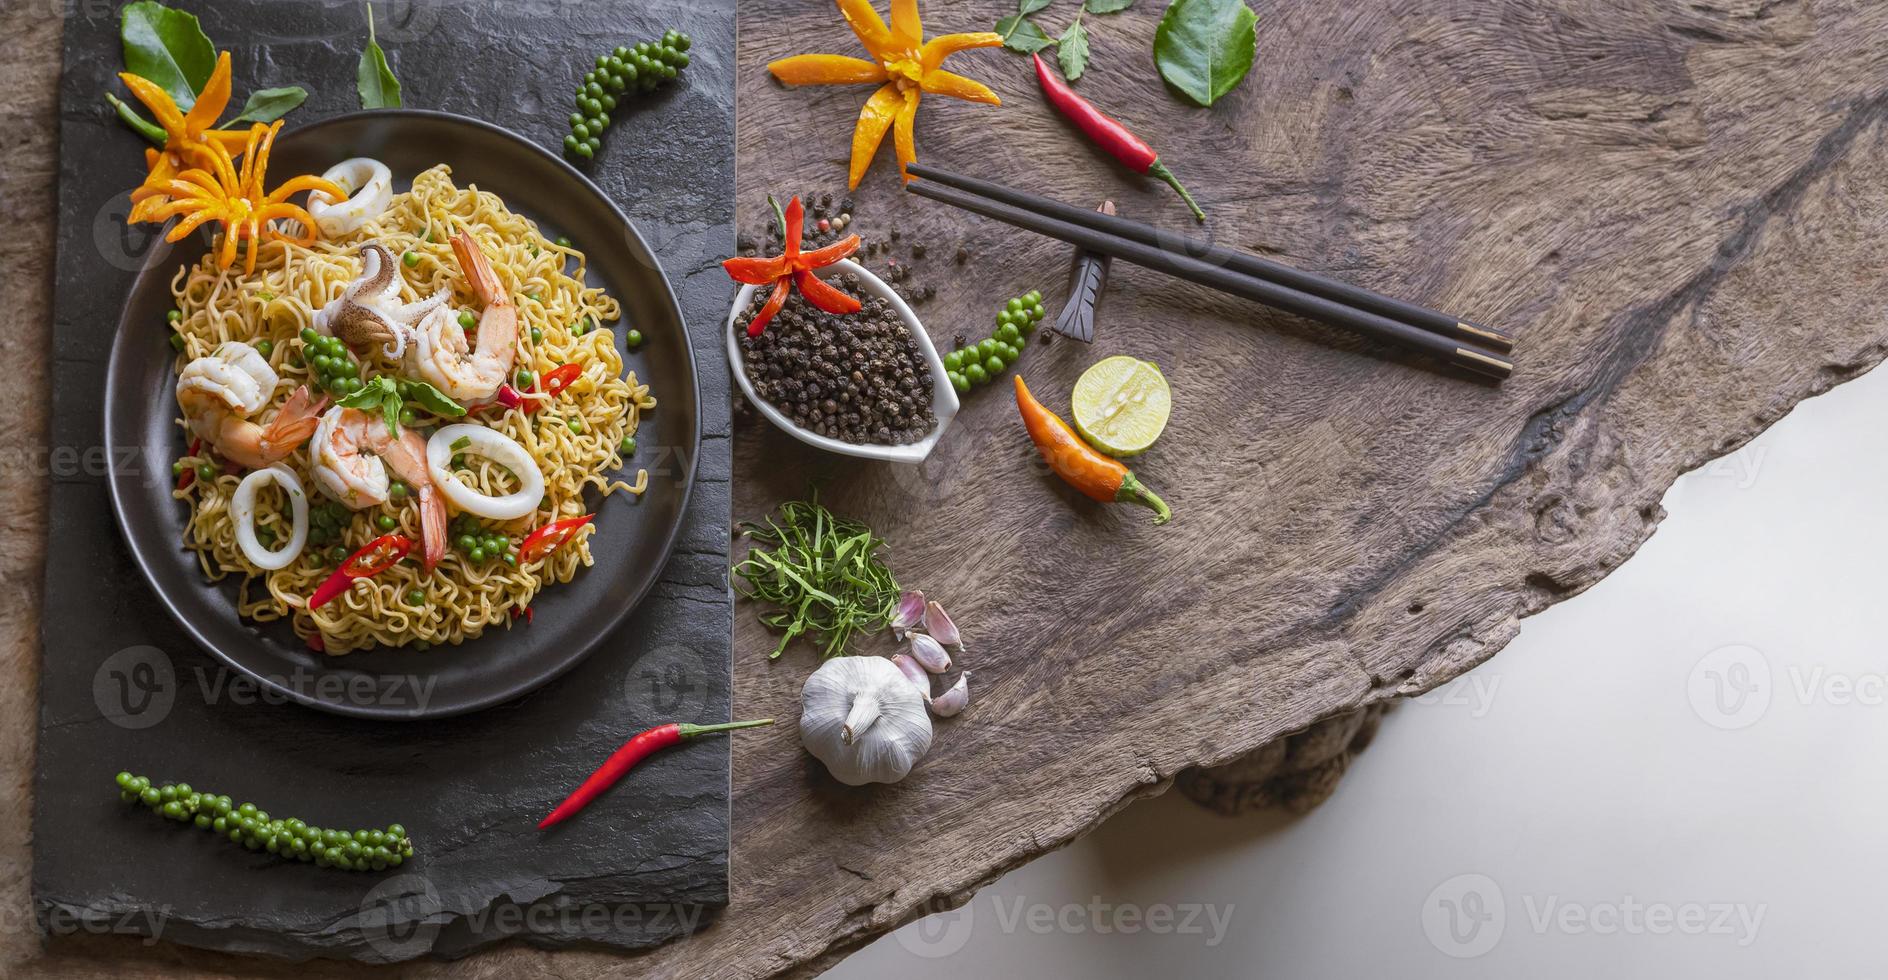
<point>560,378</point>
<point>555,381</point>
<point>374,557</point>
<point>189,475</point>
<point>625,758</point>
<point>1108,132</point>
<point>550,537</point>
<point>792,267</point>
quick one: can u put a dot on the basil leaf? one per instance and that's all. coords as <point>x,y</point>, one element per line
<point>1020,34</point>
<point>370,394</point>
<point>1107,6</point>
<point>1026,7</point>
<point>1205,47</point>
<point>375,81</point>
<point>434,400</point>
<point>167,47</point>
<point>144,127</point>
<point>1072,50</point>
<point>269,104</point>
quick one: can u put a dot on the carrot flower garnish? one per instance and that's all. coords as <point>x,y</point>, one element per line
<point>235,198</point>
<point>908,65</point>
<point>187,135</point>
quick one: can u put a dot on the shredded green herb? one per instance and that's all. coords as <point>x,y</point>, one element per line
<point>822,574</point>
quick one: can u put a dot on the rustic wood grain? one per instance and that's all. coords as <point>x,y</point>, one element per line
<point>1677,207</point>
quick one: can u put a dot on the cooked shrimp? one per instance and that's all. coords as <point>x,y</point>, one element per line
<point>469,373</point>
<point>352,452</point>
<point>219,391</point>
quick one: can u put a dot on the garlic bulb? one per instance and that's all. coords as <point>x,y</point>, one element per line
<point>864,720</point>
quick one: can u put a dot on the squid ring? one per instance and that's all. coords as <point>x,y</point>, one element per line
<point>370,187</point>
<point>497,447</point>
<point>242,507</point>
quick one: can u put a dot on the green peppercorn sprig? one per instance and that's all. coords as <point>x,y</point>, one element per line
<point>481,544</point>
<point>332,365</point>
<point>348,850</point>
<point>642,68</point>
<point>983,361</point>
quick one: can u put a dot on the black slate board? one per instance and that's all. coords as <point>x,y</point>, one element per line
<point>122,687</point>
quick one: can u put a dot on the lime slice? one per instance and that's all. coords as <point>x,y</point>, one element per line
<point>1121,405</point>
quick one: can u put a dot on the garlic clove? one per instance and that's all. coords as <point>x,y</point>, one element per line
<point>954,700</point>
<point>930,653</point>
<point>915,674</point>
<point>910,613</point>
<point>941,627</point>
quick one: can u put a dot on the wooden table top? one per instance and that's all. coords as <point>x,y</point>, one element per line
<point>1678,210</point>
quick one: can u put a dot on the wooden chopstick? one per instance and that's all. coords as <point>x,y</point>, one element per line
<point>1469,357</point>
<point>1466,331</point>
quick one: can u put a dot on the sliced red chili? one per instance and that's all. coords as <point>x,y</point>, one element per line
<point>774,303</point>
<point>560,378</point>
<point>374,557</point>
<point>550,537</point>
<point>821,294</point>
<point>189,475</point>
<point>820,258</point>
<point>791,267</point>
<point>755,271</point>
<point>796,222</point>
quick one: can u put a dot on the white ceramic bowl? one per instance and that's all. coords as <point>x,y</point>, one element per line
<point>943,396</point>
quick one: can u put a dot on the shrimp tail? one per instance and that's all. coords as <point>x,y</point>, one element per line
<point>472,262</point>
<point>432,525</point>
<point>295,422</point>
<point>256,446</point>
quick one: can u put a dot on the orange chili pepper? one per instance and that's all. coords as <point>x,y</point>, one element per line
<point>1095,475</point>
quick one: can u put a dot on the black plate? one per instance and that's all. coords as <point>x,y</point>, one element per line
<point>633,537</point>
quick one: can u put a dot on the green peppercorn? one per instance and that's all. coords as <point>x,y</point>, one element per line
<point>206,472</point>
<point>410,259</point>
<point>627,447</point>
<point>466,320</point>
<point>633,338</point>
<point>265,347</point>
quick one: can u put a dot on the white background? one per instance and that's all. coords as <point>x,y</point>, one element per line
<point>1679,771</point>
